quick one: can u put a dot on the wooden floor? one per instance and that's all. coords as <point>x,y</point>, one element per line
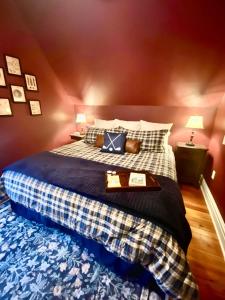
<point>204,253</point>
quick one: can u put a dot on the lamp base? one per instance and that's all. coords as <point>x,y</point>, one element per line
<point>190,144</point>
<point>82,130</point>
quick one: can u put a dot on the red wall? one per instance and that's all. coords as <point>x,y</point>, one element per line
<point>133,52</point>
<point>217,185</point>
<point>24,134</point>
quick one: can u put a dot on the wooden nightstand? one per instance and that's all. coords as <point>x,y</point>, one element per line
<point>77,137</point>
<point>190,163</point>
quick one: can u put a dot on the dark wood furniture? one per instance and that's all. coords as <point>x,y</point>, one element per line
<point>76,137</point>
<point>151,183</point>
<point>190,163</point>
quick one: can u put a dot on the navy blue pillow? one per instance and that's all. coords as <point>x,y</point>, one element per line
<point>114,142</point>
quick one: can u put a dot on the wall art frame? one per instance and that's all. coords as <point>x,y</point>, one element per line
<point>2,78</point>
<point>31,82</point>
<point>35,107</point>
<point>5,108</point>
<point>13,65</point>
<point>18,94</point>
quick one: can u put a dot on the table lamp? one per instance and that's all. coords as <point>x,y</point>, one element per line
<point>81,119</point>
<point>194,122</point>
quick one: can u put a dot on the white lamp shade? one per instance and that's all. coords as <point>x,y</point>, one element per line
<point>195,122</point>
<point>80,118</point>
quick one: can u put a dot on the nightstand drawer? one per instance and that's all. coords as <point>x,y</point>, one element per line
<point>187,152</point>
<point>194,156</point>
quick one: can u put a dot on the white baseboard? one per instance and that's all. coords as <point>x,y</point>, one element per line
<point>215,214</point>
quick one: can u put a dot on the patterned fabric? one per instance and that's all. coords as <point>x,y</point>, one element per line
<point>3,196</point>
<point>40,263</point>
<point>132,238</point>
<point>152,141</point>
<point>114,142</point>
<point>157,163</point>
<point>92,132</point>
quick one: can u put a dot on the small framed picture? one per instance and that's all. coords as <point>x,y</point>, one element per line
<point>2,77</point>
<point>13,65</point>
<point>35,107</point>
<point>31,82</point>
<point>18,93</point>
<point>5,108</point>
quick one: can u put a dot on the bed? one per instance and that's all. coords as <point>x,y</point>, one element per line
<point>139,243</point>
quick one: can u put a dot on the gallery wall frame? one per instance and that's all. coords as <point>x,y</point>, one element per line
<point>18,94</point>
<point>35,107</point>
<point>5,108</point>
<point>13,65</point>
<point>31,82</point>
<point>2,78</point>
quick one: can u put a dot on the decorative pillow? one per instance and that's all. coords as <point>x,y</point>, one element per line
<point>92,132</point>
<point>99,140</point>
<point>149,126</point>
<point>131,146</point>
<point>152,141</point>
<point>114,142</point>
<point>105,124</point>
<point>131,125</point>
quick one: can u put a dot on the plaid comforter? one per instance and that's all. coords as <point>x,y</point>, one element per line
<point>132,238</point>
<point>157,163</point>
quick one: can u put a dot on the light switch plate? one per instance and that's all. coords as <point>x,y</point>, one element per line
<point>223,140</point>
<point>213,174</point>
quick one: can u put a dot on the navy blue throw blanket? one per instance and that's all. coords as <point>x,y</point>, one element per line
<point>164,207</point>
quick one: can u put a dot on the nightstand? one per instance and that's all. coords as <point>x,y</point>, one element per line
<point>77,137</point>
<point>190,163</point>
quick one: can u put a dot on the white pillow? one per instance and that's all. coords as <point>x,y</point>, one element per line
<point>131,125</point>
<point>107,124</point>
<point>149,126</point>
<point>166,139</point>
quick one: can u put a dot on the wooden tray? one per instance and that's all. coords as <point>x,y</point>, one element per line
<point>151,183</point>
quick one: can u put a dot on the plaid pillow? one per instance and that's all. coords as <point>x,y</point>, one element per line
<point>152,141</point>
<point>92,132</point>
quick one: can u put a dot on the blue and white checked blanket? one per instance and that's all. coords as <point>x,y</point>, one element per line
<point>132,238</point>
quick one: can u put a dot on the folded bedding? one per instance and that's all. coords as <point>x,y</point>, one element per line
<point>121,224</point>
